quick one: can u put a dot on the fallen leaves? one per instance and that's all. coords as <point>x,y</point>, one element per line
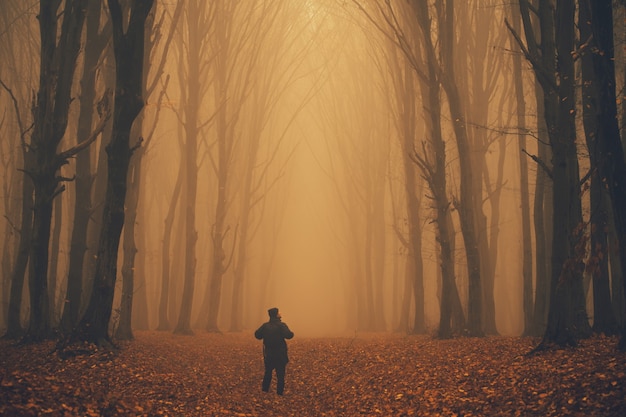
<point>160,374</point>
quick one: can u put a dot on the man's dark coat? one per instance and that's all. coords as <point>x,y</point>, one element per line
<point>274,333</point>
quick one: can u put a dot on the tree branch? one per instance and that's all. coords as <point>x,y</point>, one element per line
<point>105,114</point>
<point>540,162</point>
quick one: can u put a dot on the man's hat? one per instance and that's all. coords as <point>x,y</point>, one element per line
<point>273,312</point>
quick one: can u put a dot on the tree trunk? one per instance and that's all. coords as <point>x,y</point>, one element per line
<point>236,315</point>
<point>466,203</point>
<point>527,256</point>
<point>603,319</point>
<point>566,316</point>
<point>610,148</point>
<point>125,330</point>
<point>542,224</point>
<point>416,267</point>
<point>57,65</point>
<point>225,141</point>
<point>54,262</point>
<point>434,171</point>
<point>84,176</point>
<point>164,319</point>
<point>18,274</point>
<point>191,235</point>
<point>129,49</point>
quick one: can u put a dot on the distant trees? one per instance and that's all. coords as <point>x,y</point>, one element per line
<point>18,47</point>
<point>421,94</point>
<point>196,56</point>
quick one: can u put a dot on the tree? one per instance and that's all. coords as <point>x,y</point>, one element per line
<point>18,48</point>
<point>554,68</point>
<point>259,155</point>
<point>466,203</point>
<point>432,158</point>
<point>520,107</point>
<point>57,65</point>
<point>478,44</point>
<point>612,166</point>
<point>597,265</point>
<point>197,55</point>
<point>135,171</point>
<point>233,68</point>
<point>406,93</point>
<point>129,60</point>
<point>96,40</point>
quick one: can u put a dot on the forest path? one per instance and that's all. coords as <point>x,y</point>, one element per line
<point>220,375</point>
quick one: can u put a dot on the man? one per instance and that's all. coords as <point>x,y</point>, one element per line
<point>274,333</point>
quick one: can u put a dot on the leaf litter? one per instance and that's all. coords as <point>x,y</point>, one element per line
<point>161,374</point>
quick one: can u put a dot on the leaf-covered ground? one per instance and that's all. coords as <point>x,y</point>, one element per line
<point>220,375</point>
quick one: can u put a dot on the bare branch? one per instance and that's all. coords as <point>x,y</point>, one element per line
<point>105,114</point>
<point>540,71</point>
<point>17,113</point>
<point>540,162</point>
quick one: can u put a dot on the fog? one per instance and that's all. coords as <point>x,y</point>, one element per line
<point>298,134</point>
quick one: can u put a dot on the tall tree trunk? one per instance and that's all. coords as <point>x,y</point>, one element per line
<point>379,242</point>
<point>527,256</point>
<point>141,316</point>
<point>225,132</point>
<point>415,267</point>
<point>610,147</point>
<point>542,224</point>
<point>57,65</point>
<point>435,174</point>
<point>84,176</point>
<point>54,262</point>
<point>603,319</point>
<point>466,203</point>
<point>129,49</point>
<point>566,316</point>
<point>9,246</point>
<point>239,271</point>
<point>18,274</point>
<point>164,308</point>
<point>193,98</point>
<point>191,235</point>
<point>617,289</point>
<point>124,330</point>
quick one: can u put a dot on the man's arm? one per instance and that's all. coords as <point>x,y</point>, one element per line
<point>259,332</point>
<point>286,333</point>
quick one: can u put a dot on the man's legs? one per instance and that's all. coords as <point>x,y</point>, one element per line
<point>267,377</point>
<point>280,379</point>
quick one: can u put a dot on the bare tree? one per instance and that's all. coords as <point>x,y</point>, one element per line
<point>96,40</point>
<point>18,48</point>
<point>233,68</point>
<point>197,55</point>
<point>612,166</point>
<point>129,48</point>
<point>50,112</point>
<point>520,108</point>
<point>597,265</point>
<point>154,57</point>
<point>273,43</point>
<point>567,318</point>
<point>431,158</point>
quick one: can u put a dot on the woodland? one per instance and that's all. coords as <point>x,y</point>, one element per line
<point>432,191</point>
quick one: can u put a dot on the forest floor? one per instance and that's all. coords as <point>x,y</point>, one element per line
<point>161,374</point>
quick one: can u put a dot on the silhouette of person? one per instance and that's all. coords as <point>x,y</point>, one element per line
<point>273,333</point>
